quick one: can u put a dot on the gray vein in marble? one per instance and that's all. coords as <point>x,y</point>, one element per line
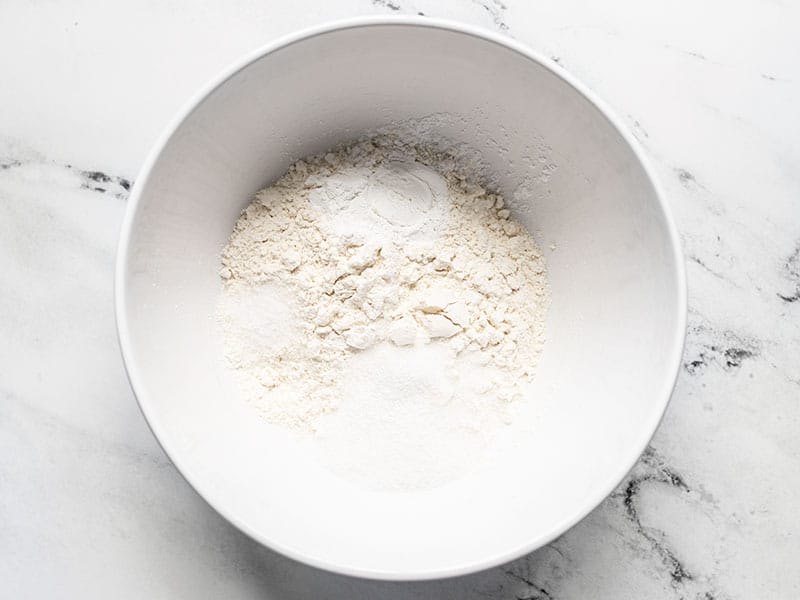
<point>542,575</point>
<point>640,129</point>
<point>706,346</point>
<point>657,472</point>
<point>9,164</point>
<point>98,181</point>
<point>652,469</point>
<point>691,54</point>
<point>534,591</point>
<point>686,178</point>
<point>639,132</point>
<point>695,54</point>
<point>692,185</point>
<point>698,261</point>
<point>496,10</point>
<point>701,57</point>
<point>387,4</point>
<point>792,271</point>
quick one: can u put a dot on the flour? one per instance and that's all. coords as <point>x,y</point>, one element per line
<point>378,300</point>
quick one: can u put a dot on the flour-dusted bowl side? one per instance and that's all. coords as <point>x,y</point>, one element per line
<point>572,176</point>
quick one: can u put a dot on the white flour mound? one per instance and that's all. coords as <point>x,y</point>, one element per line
<point>375,298</point>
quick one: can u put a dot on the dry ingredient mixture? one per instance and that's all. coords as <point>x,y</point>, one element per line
<point>379,300</point>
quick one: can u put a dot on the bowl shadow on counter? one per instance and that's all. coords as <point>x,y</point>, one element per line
<point>532,576</point>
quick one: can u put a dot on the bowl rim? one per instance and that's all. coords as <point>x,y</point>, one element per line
<point>672,367</point>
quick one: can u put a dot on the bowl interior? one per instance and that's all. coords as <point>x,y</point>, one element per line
<point>614,329</point>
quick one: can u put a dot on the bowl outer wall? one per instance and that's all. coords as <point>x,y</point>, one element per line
<point>679,277</point>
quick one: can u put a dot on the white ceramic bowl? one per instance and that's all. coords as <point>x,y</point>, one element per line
<point>615,329</point>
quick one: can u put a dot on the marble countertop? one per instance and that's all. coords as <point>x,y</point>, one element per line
<point>89,505</point>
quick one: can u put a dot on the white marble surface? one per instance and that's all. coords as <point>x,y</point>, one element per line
<point>91,508</point>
